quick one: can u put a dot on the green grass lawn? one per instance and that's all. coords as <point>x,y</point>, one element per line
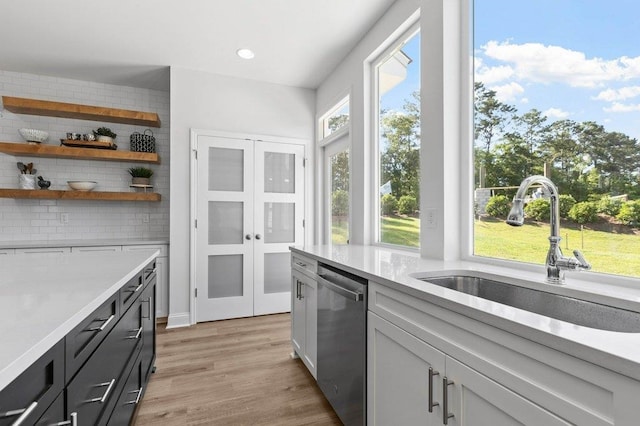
<point>607,252</point>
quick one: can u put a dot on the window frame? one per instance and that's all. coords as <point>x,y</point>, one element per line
<point>324,119</point>
<point>392,46</point>
<point>466,123</point>
<point>336,146</point>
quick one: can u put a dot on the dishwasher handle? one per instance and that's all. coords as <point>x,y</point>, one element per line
<point>340,290</point>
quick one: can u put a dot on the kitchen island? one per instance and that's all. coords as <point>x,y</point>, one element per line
<point>50,302</point>
<point>436,355</point>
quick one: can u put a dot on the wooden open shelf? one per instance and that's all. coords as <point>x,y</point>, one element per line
<point>48,194</point>
<point>52,151</point>
<point>81,112</point>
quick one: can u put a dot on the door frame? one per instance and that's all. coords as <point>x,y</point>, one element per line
<point>194,133</point>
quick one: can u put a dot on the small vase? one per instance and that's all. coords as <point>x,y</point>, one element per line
<point>27,181</point>
<point>140,181</point>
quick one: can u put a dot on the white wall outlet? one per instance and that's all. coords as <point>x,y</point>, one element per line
<point>145,217</point>
<point>429,218</point>
<point>64,218</point>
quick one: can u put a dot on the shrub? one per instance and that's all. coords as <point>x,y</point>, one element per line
<point>608,206</point>
<point>339,202</point>
<point>498,206</point>
<point>630,212</point>
<point>388,204</point>
<point>407,204</point>
<point>584,212</point>
<point>538,210</point>
<point>566,202</point>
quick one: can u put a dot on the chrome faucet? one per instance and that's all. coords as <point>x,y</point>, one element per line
<point>556,263</point>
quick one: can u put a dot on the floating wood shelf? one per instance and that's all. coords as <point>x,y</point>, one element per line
<point>52,151</point>
<point>47,194</point>
<point>81,112</point>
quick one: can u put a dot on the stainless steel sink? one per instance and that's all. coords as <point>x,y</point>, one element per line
<point>564,308</point>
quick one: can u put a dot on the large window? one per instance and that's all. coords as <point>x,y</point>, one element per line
<point>397,88</point>
<point>557,93</point>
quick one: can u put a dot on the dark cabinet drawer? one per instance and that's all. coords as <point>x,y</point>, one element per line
<point>148,301</point>
<point>130,395</point>
<point>85,338</point>
<point>54,414</point>
<point>92,392</point>
<point>130,292</point>
<point>31,393</point>
<point>150,272</point>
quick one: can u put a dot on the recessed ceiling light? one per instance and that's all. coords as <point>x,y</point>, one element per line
<point>245,53</point>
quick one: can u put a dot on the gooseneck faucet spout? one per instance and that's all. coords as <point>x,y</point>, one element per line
<point>556,262</point>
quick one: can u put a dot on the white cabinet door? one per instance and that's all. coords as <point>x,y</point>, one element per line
<point>399,378</point>
<point>475,399</point>
<point>304,319</point>
<point>297,314</point>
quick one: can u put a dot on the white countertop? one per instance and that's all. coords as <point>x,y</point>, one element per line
<point>616,351</point>
<point>81,243</point>
<point>44,298</point>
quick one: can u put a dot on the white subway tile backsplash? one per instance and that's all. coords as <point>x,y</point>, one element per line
<point>40,219</point>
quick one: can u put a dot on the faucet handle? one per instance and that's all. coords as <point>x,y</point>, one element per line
<point>583,264</point>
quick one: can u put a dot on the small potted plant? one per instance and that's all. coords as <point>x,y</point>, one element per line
<point>140,175</point>
<point>104,134</point>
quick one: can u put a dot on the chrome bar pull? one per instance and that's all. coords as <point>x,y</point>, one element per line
<point>103,398</point>
<point>23,412</point>
<point>135,401</point>
<point>73,421</point>
<point>104,325</point>
<point>432,404</point>
<point>137,335</point>
<point>446,415</point>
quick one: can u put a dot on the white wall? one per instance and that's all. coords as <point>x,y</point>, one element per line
<point>214,102</point>
<point>39,220</point>
<point>441,161</point>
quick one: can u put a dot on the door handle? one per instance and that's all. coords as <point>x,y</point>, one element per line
<point>247,237</point>
<point>258,236</point>
<point>432,404</point>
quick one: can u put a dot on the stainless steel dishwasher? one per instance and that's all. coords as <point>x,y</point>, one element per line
<point>342,342</point>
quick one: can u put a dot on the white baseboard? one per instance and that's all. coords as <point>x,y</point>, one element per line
<point>179,320</point>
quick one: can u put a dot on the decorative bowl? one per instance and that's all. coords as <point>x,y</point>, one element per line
<point>33,135</point>
<point>81,185</point>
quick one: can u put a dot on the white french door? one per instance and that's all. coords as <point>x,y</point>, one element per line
<point>249,210</point>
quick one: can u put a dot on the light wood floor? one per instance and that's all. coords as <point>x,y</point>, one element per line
<point>233,372</point>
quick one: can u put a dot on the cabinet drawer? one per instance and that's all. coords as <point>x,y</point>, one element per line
<point>85,338</point>
<point>54,414</point>
<point>304,264</point>
<point>130,291</point>
<point>130,396</point>
<point>150,272</point>
<point>31,393</point>
<point>92,392</point>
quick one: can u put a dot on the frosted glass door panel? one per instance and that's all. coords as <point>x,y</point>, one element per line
<point>279,172</point>
<point>225,222</point>
<point>279,222</point>
<point>277,272</point>
<point>225,276</point>
<point>226,169</point>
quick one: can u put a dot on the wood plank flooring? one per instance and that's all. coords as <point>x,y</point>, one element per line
<point>233,372</point>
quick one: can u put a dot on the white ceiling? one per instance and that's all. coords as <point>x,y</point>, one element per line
<point>132,42</point>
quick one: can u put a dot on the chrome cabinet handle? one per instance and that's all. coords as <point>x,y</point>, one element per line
<point>446,415</point>
<point>104,325</point>
<point>23,412</point>
<point>304,265</point>
<point>301,287</point>
<point>258,236</point>
<point>137,288</point>
<point>106,393</point>
<point>432,404</point>
<point>135,401</point>
<point>73,421</point>
<point>137,335</point>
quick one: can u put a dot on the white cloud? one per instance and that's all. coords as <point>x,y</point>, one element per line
<point>556,113</point>
<point>524,100</point>
<point>619,107</point>
<point>548,64</point>
<point>621,94</point>
<point>508,92</point>
<point>490,75</point>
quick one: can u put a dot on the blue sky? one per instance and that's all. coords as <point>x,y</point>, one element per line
<point>571,59</point>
